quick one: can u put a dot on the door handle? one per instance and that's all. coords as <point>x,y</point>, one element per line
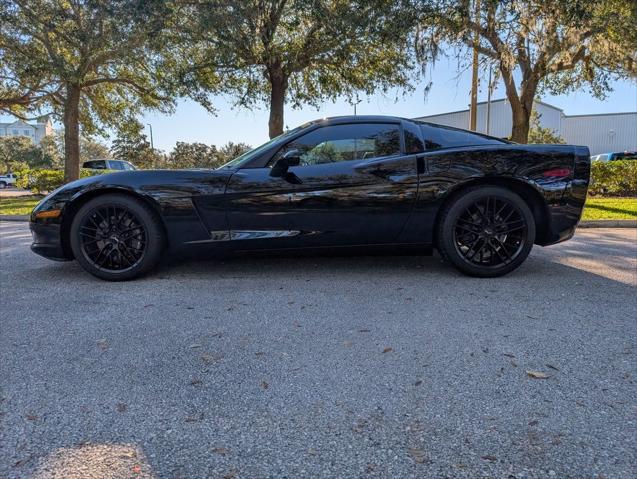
<point>420,165</point>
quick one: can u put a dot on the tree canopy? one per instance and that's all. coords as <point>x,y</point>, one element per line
<point>296,51</point>
<point>537,45</point>
<point>90,62</point>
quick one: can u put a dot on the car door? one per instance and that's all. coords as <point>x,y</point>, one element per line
<point>353,185</point>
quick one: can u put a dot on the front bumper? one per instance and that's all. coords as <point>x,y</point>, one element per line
<point>47,241</point>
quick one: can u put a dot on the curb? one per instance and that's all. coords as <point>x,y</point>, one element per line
<point>608,224</point>
<point>582,224</point>
<point>14,217</point>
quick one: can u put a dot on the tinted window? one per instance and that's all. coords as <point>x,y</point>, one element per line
<point>331,144</point>
<point>116,165</point>
<point>438,136</point>
<point>95,165</point>
<point>625,156</point>
<point>413,142</point>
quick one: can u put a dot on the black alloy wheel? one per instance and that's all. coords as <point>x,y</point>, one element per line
<point>116,237</point>
<point>112,238</point>
<point>488,231</point>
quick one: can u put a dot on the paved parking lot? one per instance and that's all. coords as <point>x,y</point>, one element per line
<point>321,367</point>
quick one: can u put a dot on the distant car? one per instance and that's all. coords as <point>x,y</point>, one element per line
<point>354,182</point>
<point>619,156</point>
<point>7,180</point>
<point>109,165</point>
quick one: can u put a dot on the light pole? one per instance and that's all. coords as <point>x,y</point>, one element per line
<point>151,136</point>
<point>152,146</point>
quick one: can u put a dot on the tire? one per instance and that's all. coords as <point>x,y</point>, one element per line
<point>3,185</point>
<point>487,231</point>
<point>116,237</point>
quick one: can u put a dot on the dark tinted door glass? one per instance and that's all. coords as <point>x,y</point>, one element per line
<point>95,165</point>
<point>438,136</point>
<point>336,143</point>
<point>116,165</point>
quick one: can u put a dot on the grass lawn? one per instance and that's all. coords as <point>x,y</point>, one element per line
<point>596,208</point>
<point>18,205</point>
<point>610,209</point>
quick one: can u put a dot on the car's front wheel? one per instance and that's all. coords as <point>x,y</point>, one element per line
<point>116,237</point>
<point>487,231</point>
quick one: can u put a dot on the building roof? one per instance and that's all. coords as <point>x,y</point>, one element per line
<point>537,101</point>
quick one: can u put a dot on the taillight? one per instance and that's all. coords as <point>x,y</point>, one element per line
<point>557,173</point>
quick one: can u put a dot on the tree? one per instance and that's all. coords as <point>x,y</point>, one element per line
<point>550,45</point>
<point>131,144</point>
<point>542,135</point>
<point>18,152</point>
<point>193,155</point>
<point>231,150</point>
<point>302,51</point>
<point>90,61</point>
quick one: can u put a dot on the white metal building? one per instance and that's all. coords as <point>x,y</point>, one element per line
<point>602,133</point>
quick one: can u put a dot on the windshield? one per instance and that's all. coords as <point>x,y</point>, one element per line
<point>249,155</point>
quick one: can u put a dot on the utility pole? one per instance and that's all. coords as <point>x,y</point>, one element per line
<point>473,112</point>
<point>152,147</point>
<point>489,88</point>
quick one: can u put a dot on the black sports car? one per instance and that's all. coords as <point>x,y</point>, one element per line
<point>355,182</point>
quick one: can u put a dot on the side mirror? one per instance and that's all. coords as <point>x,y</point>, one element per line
<point>281,166</point>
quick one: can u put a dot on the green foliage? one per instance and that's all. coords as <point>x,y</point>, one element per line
<point>541,135</point>
<point>16,152</point>
<point>92,63</point>
<point>132,145</point>
<point>199,155</point>
<point>300,51</point>
<point>537,45</point>
<point>613,178</point>
<point>44,180</point>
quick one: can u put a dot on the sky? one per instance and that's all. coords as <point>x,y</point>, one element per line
<point>449,92</point>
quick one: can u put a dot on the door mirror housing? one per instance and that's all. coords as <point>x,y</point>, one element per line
<point>281,166</point>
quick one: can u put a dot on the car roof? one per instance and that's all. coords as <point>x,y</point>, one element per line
<point>335,120</point>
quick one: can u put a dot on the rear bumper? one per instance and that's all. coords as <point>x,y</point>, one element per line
<point>47,241</point>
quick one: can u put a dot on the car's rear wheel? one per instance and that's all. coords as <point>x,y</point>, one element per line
<point>3,185</point>
<point>487,231</point>
<point>116,237</point>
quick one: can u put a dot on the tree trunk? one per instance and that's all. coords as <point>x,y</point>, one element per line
<point>521,123</point>
<point>278,85</point>
<point>72,133</point>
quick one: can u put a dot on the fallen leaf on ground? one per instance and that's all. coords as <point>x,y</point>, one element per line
<point>220,450</point>
<point>121,407</point>
<point>195,381</point>
<point>537,374</point>
<point>264,385</point>
<point>347,344</point>
<point>194,346</point>
<point>208,358</point>
<point>509,355</point>
<point>552,367</point>
<point>32,417</point>
<point>418,383</point>
<point>194,417</point>
<point>102,344</point>
<point>490,458</point>
<point>417,455</point>
<point>387,350</point>
<point>311,451</point>
<point>534,422</point>
<point>364,331</point>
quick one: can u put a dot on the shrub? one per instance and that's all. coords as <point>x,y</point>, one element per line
<point>613,178</point>
<point>41,180</point>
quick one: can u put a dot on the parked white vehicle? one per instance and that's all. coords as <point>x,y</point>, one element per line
<point>7,180</point>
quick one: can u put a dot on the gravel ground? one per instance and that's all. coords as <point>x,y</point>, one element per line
<point>321,367</point>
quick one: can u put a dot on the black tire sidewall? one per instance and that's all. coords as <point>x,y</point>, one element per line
<point>450,214</point>
<point>154,233</point>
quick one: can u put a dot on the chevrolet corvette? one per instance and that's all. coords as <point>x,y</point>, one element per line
<point>337,184</point>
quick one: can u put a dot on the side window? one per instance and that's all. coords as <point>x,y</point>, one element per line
<point>413,142</point>
<point>116,165</point>
<point>438,136</point>
<point>335,143</point>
